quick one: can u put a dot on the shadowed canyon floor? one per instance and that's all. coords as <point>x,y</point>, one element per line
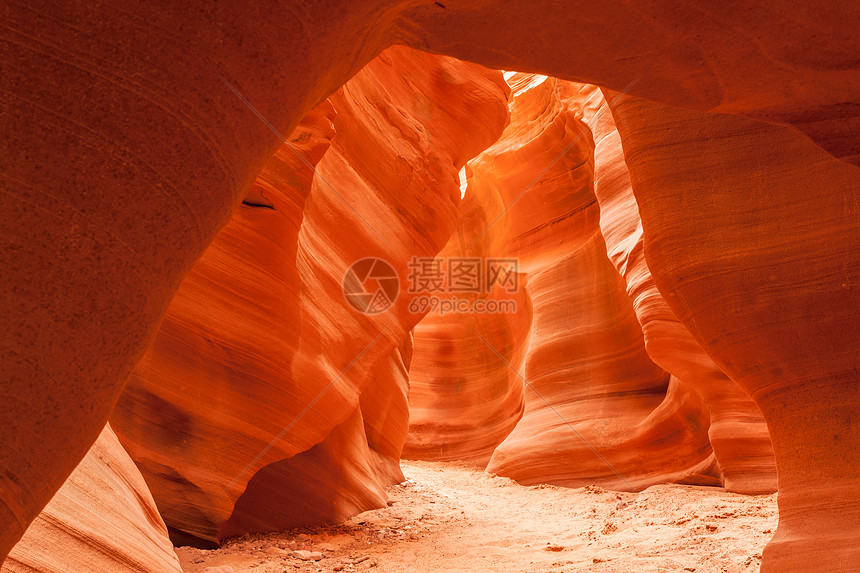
<point>451,517</point>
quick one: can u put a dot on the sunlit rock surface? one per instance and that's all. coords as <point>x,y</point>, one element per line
<point>466,387</point>
<point>596,408</point>
<point>129,141</point>
<point>738,433</point>
<point>753,234</point>
<point>263,374</point>
<point>448,417</point>
<point>102,519</point>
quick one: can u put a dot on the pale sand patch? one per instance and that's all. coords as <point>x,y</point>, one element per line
<point>450,517</point>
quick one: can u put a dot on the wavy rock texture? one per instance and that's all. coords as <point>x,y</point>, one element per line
<point>126,149</point>
<point>596,408</point>
<point>737,431</point>
<point>262,374</point>
<point>753,235</point>
<point>780,62</point>
<point>213,390</point>
<point>114,189</point>
<point>466,393</point>
<point>102,519</point>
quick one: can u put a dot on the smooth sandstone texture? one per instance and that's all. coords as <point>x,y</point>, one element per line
<point>737,431</point>
<point>779,61</point>
<point>597,410</point>
<point>213,390</point>
<point>752,234</point>
<point>102,519</point>
<point>466,390</point>
<point>125,150</point>
<point>263,378</point>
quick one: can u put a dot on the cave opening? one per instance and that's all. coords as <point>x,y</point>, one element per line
<point>460,319</point>
<point>521,360</point>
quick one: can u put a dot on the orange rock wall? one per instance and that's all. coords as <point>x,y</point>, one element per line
<point>262,375</point>
<point>214,382</point>
<point>126,148</point>
<point>596,408</point>
<point>737,430</point>
<point>779,61</point>
<point>102,519</point>
<point>447,424</point>
<point>466,390</point>
<point>751,233</point>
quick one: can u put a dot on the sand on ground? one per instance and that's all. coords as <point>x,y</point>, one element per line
<point>449,517</point>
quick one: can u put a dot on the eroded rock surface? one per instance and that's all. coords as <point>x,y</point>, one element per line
<point>596,408</point>
<point>737,431</point>
<point>751,232</point>
<point>102,519</point>
<point>262,375</point>
<point>128,142</point>
<point>466,387</point>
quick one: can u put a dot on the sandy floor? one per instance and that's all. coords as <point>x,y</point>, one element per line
<point>451,518</point>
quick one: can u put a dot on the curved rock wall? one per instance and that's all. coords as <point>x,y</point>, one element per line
<point>102,519</point>
<point>447,422</point>
<point>737,431</point>
<point>262,374</point>
<point>752,234</point>
<point>779,61</point>
<point>212,391</point>
<point>466,390</point>
<point>126,148</point>
<point>596,408</point>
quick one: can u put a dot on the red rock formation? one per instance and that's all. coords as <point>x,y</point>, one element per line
<point>262,373</point>
<point>466,391</point>
<point>778,61</point>
<point>737,430</point>
<point>596,408</point>
<point>752,234</point>
<point>102,519</point>
<point>125,150</point>
<point>212,391</point>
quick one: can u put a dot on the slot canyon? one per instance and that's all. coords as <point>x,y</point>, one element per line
<point>285,282</point>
